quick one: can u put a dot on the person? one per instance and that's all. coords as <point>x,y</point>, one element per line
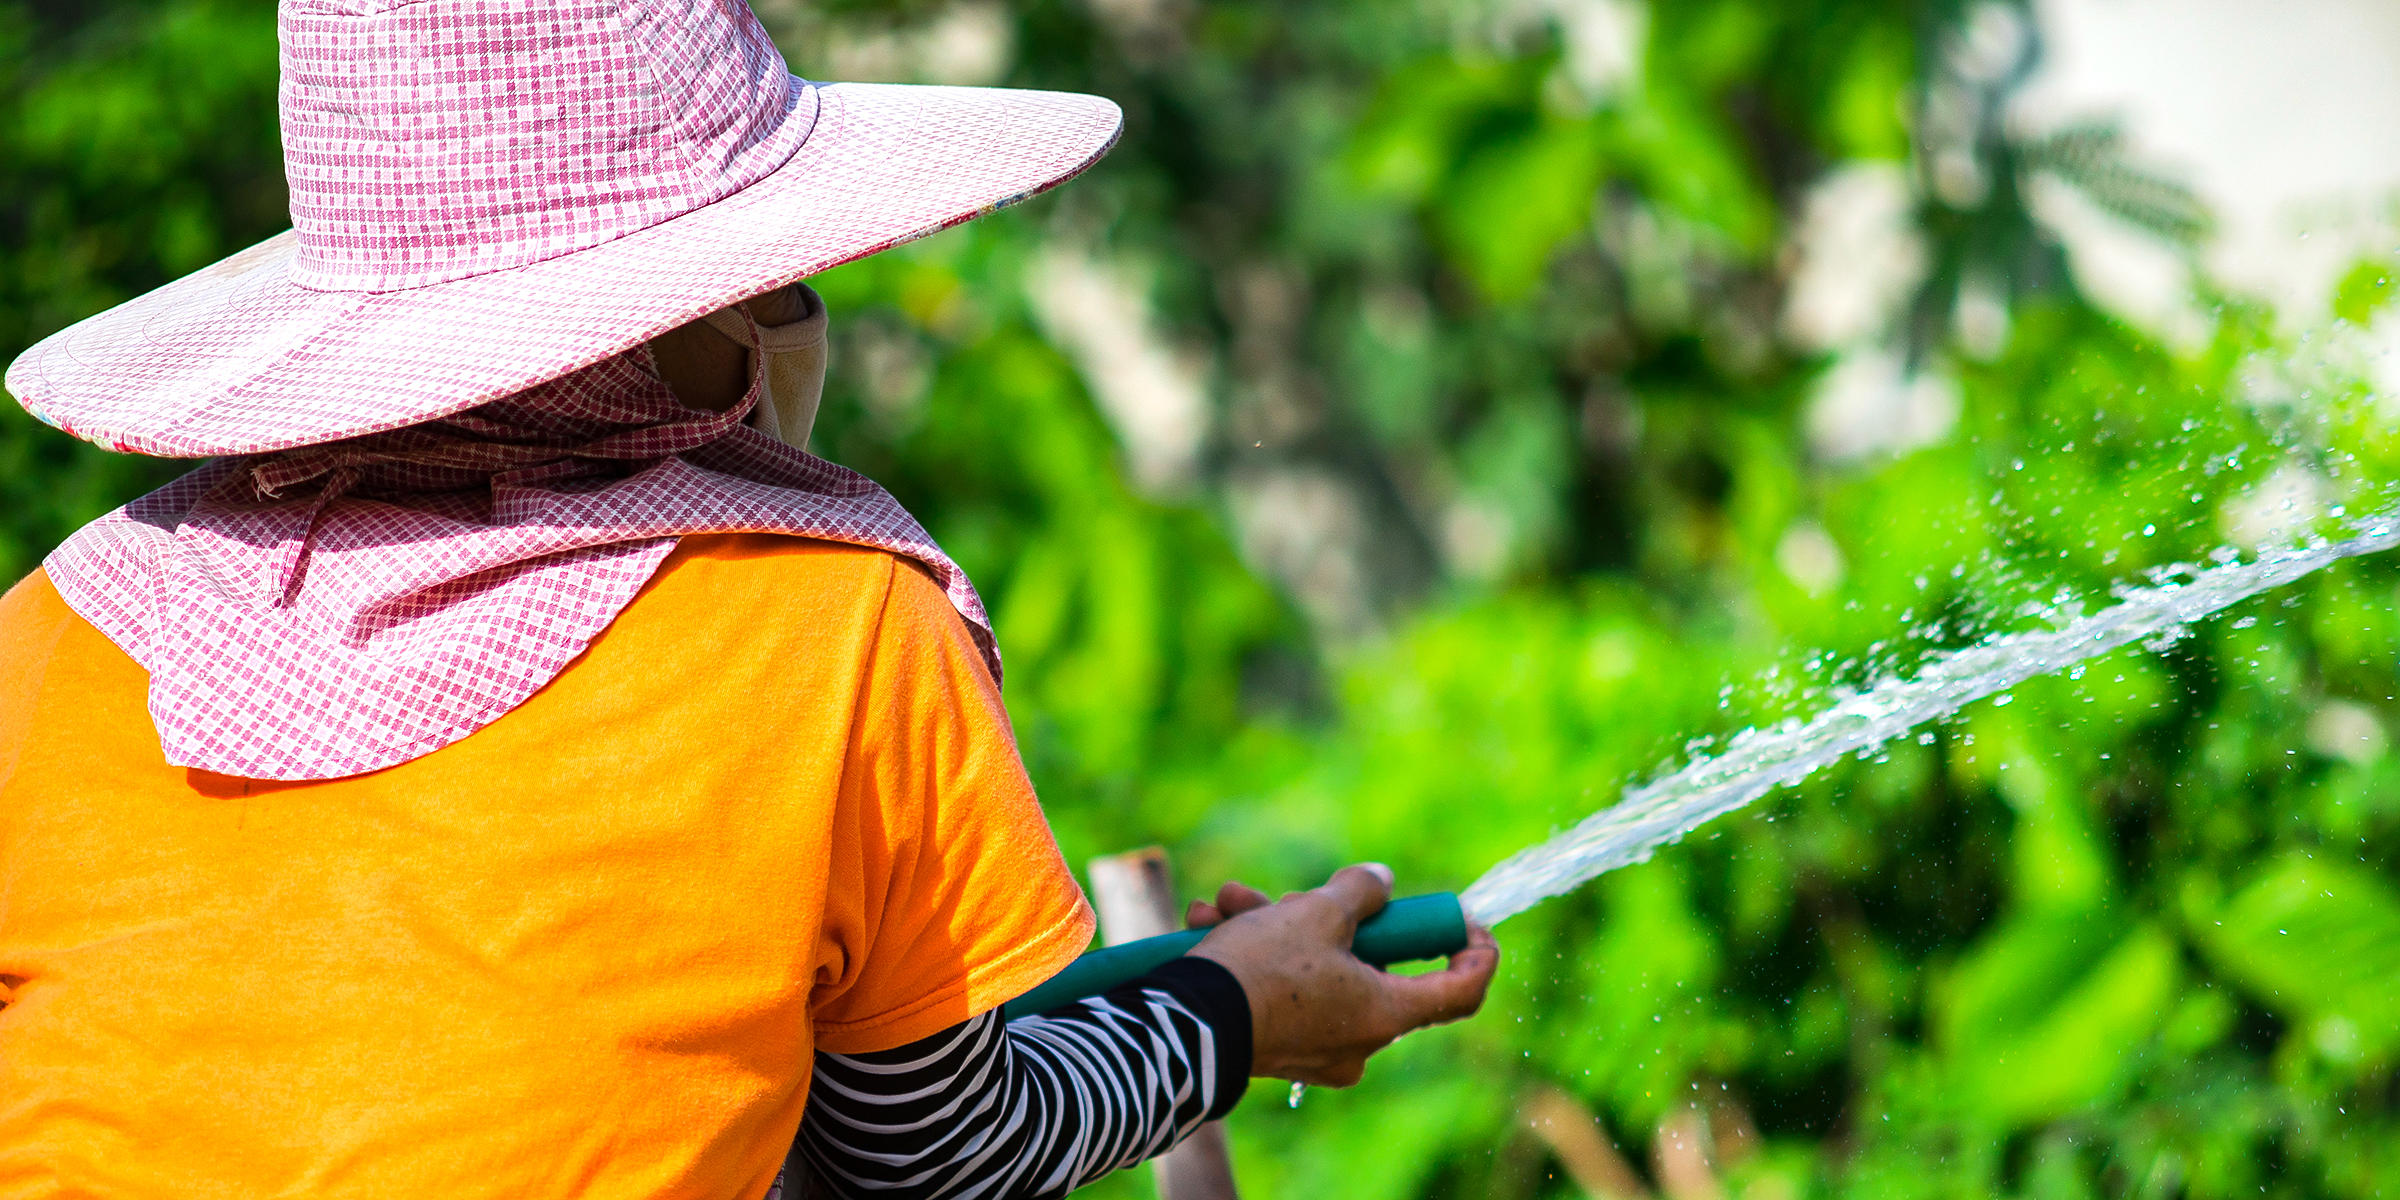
<point>510,764</point>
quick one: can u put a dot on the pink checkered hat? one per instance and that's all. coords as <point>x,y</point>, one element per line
<point>490,194</point>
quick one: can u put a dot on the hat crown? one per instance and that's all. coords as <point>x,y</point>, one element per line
<point>427,141</point>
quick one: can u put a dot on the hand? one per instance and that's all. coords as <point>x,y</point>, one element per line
<point>1316,1011</point>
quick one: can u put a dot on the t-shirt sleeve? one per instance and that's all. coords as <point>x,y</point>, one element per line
<point>946,895</point>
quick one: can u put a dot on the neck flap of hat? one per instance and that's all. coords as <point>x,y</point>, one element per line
<point>340,608</point>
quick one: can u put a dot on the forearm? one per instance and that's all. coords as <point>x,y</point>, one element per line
<point>1035,1107</point>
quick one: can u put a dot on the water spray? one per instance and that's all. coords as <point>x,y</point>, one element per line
<point>1758,761</point>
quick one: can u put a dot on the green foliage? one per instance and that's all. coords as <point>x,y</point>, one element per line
<point>2318,942</point>
<point>2366,288</point>
<point>137,143</point>
<point>1508,308</point>
<point>1987,961</point>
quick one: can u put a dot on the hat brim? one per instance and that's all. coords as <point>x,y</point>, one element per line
<point>238,359</point>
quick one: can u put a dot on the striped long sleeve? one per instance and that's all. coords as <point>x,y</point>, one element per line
<point>994,1110</point>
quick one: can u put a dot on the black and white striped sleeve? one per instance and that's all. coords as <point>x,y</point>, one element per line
<point>997,1110</point>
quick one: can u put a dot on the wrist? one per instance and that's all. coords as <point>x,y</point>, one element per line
<point>1215,995</point>
<point>1253,990</point>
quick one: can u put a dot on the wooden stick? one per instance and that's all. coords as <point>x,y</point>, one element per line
<point>1135,893</point>
<point>1582,1146</point>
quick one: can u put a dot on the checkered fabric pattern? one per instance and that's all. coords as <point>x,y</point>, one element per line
<point>336,609</point>
<point>415,132</point>
<point>490,194</point>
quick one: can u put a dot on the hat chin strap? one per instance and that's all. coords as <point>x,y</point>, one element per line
<point>794,367</point>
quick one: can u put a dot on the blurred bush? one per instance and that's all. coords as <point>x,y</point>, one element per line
<point>1436,416</point>
<point>137,143</point>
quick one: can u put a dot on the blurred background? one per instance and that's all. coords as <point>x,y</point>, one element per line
<point>1437,416</point>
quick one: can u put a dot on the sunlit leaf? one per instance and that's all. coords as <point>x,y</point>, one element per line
<point>2318,940</point>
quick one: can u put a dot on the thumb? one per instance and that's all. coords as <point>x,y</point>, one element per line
<point>1361,889</point>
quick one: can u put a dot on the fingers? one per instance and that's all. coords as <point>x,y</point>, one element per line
<point>1362,889</point>
<point>1453,992</point>
<point>1236,898</point>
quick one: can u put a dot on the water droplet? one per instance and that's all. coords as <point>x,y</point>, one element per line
<point>2004,699</point>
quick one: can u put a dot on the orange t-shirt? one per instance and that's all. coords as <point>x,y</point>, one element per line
<point>587,951</point>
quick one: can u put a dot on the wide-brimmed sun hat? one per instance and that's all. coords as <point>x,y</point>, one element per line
<point>489,194</point>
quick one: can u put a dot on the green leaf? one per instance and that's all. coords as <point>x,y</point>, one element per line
<point>2045,1017</point>
<point>2364,289</point>
<point>1409,142</point>
<point>2317,941</point>
<point>1864,115</point>
<point>1515,201</point>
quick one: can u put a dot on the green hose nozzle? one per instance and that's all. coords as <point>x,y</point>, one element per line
<point>1428,926</point>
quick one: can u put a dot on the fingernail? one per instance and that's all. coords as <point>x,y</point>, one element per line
<point>1380,869</point>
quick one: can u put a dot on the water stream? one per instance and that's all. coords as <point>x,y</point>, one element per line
<point>1757,761</point>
